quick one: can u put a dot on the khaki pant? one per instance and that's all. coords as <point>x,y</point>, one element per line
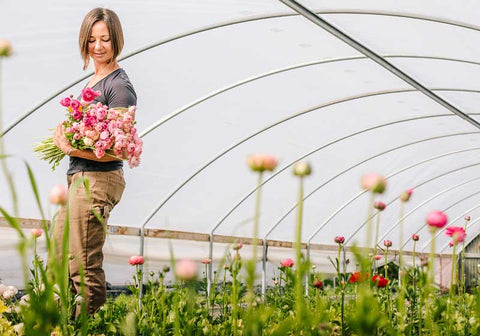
<point>87,233</point>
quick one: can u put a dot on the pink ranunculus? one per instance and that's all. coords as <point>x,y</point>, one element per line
<point>77,136</point>
<point>451,243</point>
<point>206,261</point>
<point>238,246</point>
<point>88,95</point>
<point>58,194</point>
<point>374,182</point>
<point>130,148</point>
<point>101,114</point>
<point>138,150</point>
<point>36,232</point>
<point>134,161</point>
<point>88,142</point>
<point>5,48</point>
<point>136,260</point>
<point>75,104</point>
<point>262,162</point>
<point>339,239</point>
<point>405,195</point>
<point>457,233</point>
<point>379,205</point>
<point>415,237</point>
<point>127,118</point>
<point>378,257</point>
<point>77,115</point>
<point>467,218</point>
<point>387,243</point>
<point>437,219</point>
<point>99,152</point>
<point>186,270</point>
<point>287,263</point>
<point>132,110</point>
<point>65,102</point>
<point>104,135</point>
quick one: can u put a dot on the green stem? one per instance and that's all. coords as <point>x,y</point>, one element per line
<point>252,263</point>
<point>300,266</point>
<point>462,270</point>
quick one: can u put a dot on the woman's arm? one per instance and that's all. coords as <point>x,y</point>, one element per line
<point>61,142</point>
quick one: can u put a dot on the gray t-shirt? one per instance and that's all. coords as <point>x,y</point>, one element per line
<point>117,91</point>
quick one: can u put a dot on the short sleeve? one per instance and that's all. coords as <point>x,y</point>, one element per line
<point>121,94</point>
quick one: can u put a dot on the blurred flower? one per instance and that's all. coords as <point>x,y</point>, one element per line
<point>467,218</point>
<point>415,237</point>
<point>380,281</point>
<point>339,239</point>
<point>225,266</point>
<point>18,328</point>
<point>379,206</point>
<point>437,219</point>
<point>206,261</point>
<point>387,243</point>
<point>5,48</point>
<point>457,233</point>
<point>261,162</point>
<point>166,269</point>
<point>2,289</point>
<point>58,194</point>
<point>356,277</point>
<point>275,282</point>
<point>186,269</point>
<point>287,263</point>
<point>405,196</point>
<point>36,232</point>
<point>238,246</point>
<point>302,169</point>
<point>378,257</point>
<point>451,243</point>
<point>317,284</point>
<point>374,182</point>
<point>136,260</point>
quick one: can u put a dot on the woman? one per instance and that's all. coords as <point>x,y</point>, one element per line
<point>100,39</point>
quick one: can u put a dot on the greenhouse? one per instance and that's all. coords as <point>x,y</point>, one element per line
<point>309,165</point>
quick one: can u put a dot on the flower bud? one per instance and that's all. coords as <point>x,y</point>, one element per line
<point>36,232</point>
<point>380,206</point>
<point>206,261</point>
<point>437,219</point>
<point>186,270</point>
<point>415,237</point>
<point>302,169</point>
<point>387,243</point>
<point>374,182</point>
<point>58,194</point>
<point>405,196</point>
<point>339,239</point>
<point>261,162</point>
<point>467,218</point>
<point>5,48</point>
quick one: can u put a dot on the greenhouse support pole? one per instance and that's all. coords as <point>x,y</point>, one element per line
<point>210,266</point>
<point>307,271</point>
<point>264,267</point>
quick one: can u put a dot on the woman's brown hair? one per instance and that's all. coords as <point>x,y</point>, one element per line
<point>114,28</point>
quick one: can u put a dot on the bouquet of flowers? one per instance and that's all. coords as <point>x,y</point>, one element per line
<point>106,131</point>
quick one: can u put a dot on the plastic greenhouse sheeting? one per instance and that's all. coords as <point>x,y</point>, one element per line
<point>219,80</point>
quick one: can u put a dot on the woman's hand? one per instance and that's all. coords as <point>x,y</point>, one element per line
<point>60,140</point>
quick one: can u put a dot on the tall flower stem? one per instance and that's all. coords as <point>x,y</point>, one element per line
<point>401,271</point>
<point>300,266</point>
<point>341,281</point>
<point>375,242</point>
<point>462,270</point>
<point>451,302</point>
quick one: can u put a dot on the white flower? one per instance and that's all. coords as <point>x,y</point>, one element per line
<point>18,328</point>
<point>8,294</point>
<point>3,287</point>
<point>13,289</point>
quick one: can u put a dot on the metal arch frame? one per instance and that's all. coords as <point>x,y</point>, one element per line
<point>265,247</point>
<point>428,199</point>
<point>388,203</point>
<point>466,243</point>
<point>178,112</point>
<point>453,221</point>
<point>325,25</point>
<point>240,21</point>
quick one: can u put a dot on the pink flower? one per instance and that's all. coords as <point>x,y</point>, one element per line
<point>437,219</point>
<point>75,104</point>
<point>206,261</point>
<point>467,218</point>
<point>378,257</point>
<point>387,243</point>
<point>136,260</point>
<point>451,243</point>
<point>186,269</point>
<point>77,136</point>
<point>77,115</point>
<point>238,246</point>
<point>99,152</point>
<point>88,141</point>
<point>5,48</point>
<point>134,161</point>
<point>104,135</point>
<point>36,232</point>
<point>261,162</point>
<point>287,263</point>
<point>339,239</point>
<point>88,95</point>
<point>65,102</point>
<point>415,237</point>
<point>379,206</point>
<point>405,196</point>
<point>302,169</point>
<point>100,114</point>
<point>58,194</point>
<point>457,233</point>
<point>374,182</point>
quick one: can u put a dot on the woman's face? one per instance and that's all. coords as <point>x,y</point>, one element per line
<point>100,44</point>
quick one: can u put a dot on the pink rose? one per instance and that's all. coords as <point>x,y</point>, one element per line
<point>58,194</point>
<point>88,95</point>
<point>186,270</point>
<point>65,102</point>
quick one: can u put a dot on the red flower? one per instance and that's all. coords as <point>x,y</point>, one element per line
<point>437,219</point>
<point>380,281</point>
<point>317,284</point>
<point>387,243</point>
<point>287,263</point>
<point>339,239</point>
<point>415,237</point>
<point>379,206</point>
<point>357,277</point>
<point>378,257</point>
